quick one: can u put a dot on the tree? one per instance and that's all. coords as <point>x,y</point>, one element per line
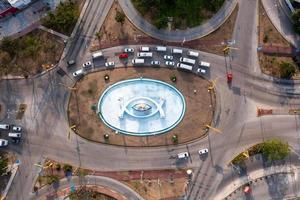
<point>4,58</point>
<point>296,21</point>
<point>287,70</point>
<point>120,17</point>
<point>275,149</point>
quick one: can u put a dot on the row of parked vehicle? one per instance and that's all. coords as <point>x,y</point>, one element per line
<point>186,63</point>
<point>15,134</point>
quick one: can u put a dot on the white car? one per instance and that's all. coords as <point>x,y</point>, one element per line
<point>155,62</point>
<point>3,143</point>
<point>168,57</point>
<point>17,128</point>
<point>170,63</point>
<point>87,65</point>
<point>128,50</point>
<point>201,71</point>
<point>183,155</point>
<point>109,64</point>
<point>203,151</point>
<point>78,72</point>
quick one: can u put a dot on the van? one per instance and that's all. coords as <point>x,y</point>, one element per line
<point>161,48</point>
<point>97,54</point>
<point>193,54</point>
<point>184,66</point>
<point>177,51</point>
<point>14,135</point>
<point>204,64</point>
<point>188,60</point>
<point>144,54</point>
<point>138,61</point>
<point>4,126</point>
<point>144,48</point>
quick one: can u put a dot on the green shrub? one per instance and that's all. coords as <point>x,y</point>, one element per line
<point>287,70</point>
<point>63,18</point>
<point>120,17</point>
<point>67,168</point>
<point>275,149</point>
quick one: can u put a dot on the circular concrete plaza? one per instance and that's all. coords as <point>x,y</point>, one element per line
<point>141,106</point>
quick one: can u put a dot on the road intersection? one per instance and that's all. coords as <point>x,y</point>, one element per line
<point>46,123</point>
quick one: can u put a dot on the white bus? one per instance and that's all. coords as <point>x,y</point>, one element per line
<point>193,54</point>
<point>138,61</point>
<point>144,54</point>
<point>184,66</point>
<point>177,51</point>
<point>161,48</point>
<point>97,54</point>
<point>187,60</point>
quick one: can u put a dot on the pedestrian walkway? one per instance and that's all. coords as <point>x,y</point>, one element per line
<point>64,37</point>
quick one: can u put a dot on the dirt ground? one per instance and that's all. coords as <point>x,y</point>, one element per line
<point>113,33</point>
<point>268,35</point>
<point>112,30</point>
<point>155,185</point>
<point>49,51</point>
<point>215,39</point>
<point>159,189</point>
<point>199,106</point>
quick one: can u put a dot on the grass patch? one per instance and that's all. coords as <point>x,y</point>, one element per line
<point>182,14</point>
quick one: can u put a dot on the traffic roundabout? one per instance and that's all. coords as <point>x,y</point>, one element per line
<point>141,106</point>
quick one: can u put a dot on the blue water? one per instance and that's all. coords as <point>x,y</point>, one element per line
<point>141,107</point>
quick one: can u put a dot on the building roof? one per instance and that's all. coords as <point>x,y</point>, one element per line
<point>4,5</point>
<point>18,3</point>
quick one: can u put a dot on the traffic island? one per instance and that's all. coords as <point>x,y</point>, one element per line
<point>117,31</point>
<point>198,110</point>
<point>149,184</point>
<point>2,111</point>
<point>274,52</point>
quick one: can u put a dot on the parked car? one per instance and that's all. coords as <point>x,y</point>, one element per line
<point>128,50</point>
<point>78,72</point>
<point>203,151</point>
<point>70,63</point>
<point>109,64</point>
<point>123,55</point>
<point>3,143</point>
<point>201,71</point>
<point>155,62</point>
<point>87,65</point>
<point>17,128</point>
<point>4,126</point>
<point>168,57</point>
<point>184,155</point>
<point>170,63</point>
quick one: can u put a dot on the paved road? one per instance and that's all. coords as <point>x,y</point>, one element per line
<point>46,125</point>
<point>178,35</point>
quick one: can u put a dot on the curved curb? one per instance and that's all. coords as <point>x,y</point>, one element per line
<point>102,181</point>
<point>294,40</point>
<point>179,35</point>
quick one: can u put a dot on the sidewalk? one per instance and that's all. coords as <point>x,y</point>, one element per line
<point>254,175</point>
<point>27,19</point>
